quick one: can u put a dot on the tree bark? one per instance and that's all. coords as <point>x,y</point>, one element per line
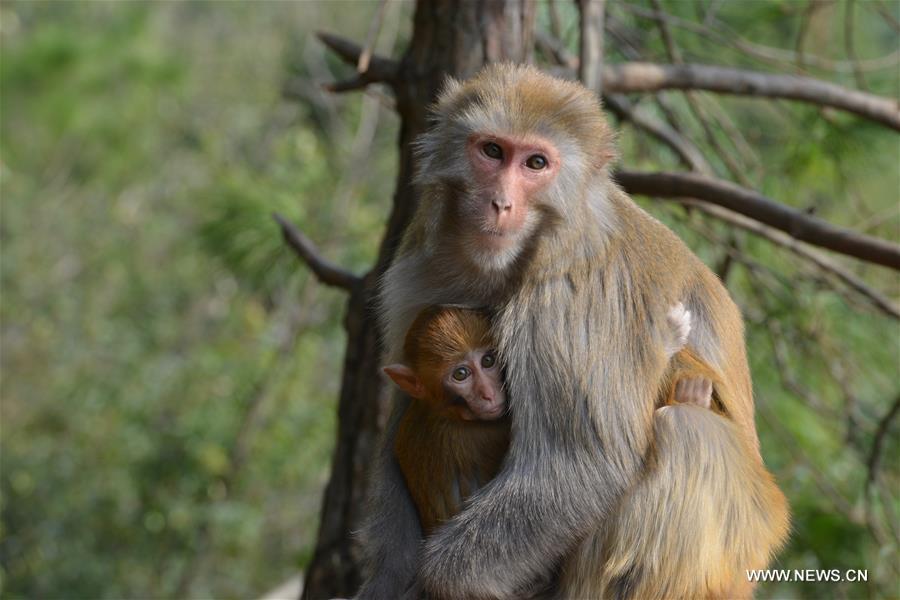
<point>449,38</point>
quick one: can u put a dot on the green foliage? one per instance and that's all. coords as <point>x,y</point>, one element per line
<point>170,371</point>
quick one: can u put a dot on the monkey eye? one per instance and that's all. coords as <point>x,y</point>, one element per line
<point>536,162</point>
<point>461,373</point>
<point>492,150</point>
<point>488,360</point>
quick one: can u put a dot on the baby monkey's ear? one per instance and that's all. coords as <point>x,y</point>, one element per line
<point>405,379</point>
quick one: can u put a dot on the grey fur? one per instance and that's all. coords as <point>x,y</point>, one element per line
<point>581,324</point>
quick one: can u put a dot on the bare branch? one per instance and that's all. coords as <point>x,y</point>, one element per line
<point>325,271</point>
<point>591,45</point>
<point>817,258</point>
<point>650,77</point>
<point>797,224</point>
<point>380,69</point>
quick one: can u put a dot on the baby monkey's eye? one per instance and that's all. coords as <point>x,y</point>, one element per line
<point>492,150</point>
<point>536,162</point>
<point>488,360</point>
<point>461,373</point>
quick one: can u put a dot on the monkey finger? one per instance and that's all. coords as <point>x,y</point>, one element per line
<point>706,393</point>
<point>680,390</point>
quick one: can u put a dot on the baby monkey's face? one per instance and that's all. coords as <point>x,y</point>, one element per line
<point>473,386</point>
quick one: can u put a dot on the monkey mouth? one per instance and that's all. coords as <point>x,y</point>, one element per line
<point>496,238</point>
<point>489,413</point>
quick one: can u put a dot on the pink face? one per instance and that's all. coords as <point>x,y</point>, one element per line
<point>508,173</point>
<point>474,387</point>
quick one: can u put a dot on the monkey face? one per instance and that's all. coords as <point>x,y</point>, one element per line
<point>473,387</point>
<point>507,161</point>
<point>507,174</point>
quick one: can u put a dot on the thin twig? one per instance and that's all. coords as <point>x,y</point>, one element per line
<point>800,43</point>
<point>885,12</point>
<point>778,56</point>
<point>837,499</point>
<point>732,133</point>
<point>880,432</point>
<point>555,26</point>
<point>850,47</point>
<point>797,224</point>
<point>627,45</point>
<point>619,105</point>
<point>362,64</point>
<point>325,271</point>
<point>674,53</point>
<point>689,154</point>
<point>555,49</point>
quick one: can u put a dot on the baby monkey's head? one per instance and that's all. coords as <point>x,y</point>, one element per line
<point>450,363</point>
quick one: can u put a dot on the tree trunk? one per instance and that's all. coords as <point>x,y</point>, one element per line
<point>449,38</point>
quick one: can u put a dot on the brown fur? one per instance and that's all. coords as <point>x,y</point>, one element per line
<point>444,459</point>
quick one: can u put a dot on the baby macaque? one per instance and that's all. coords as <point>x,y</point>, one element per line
<point>455,433</point>
<point>453,437</point>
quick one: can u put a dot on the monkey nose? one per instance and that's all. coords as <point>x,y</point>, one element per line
<point>501,205</point>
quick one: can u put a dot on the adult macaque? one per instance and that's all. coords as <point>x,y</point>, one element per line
<point>518,213</point>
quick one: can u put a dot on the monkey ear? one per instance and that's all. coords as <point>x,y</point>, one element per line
<point>406,380</point>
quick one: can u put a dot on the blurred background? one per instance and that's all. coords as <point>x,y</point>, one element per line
<point>170,370</point>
